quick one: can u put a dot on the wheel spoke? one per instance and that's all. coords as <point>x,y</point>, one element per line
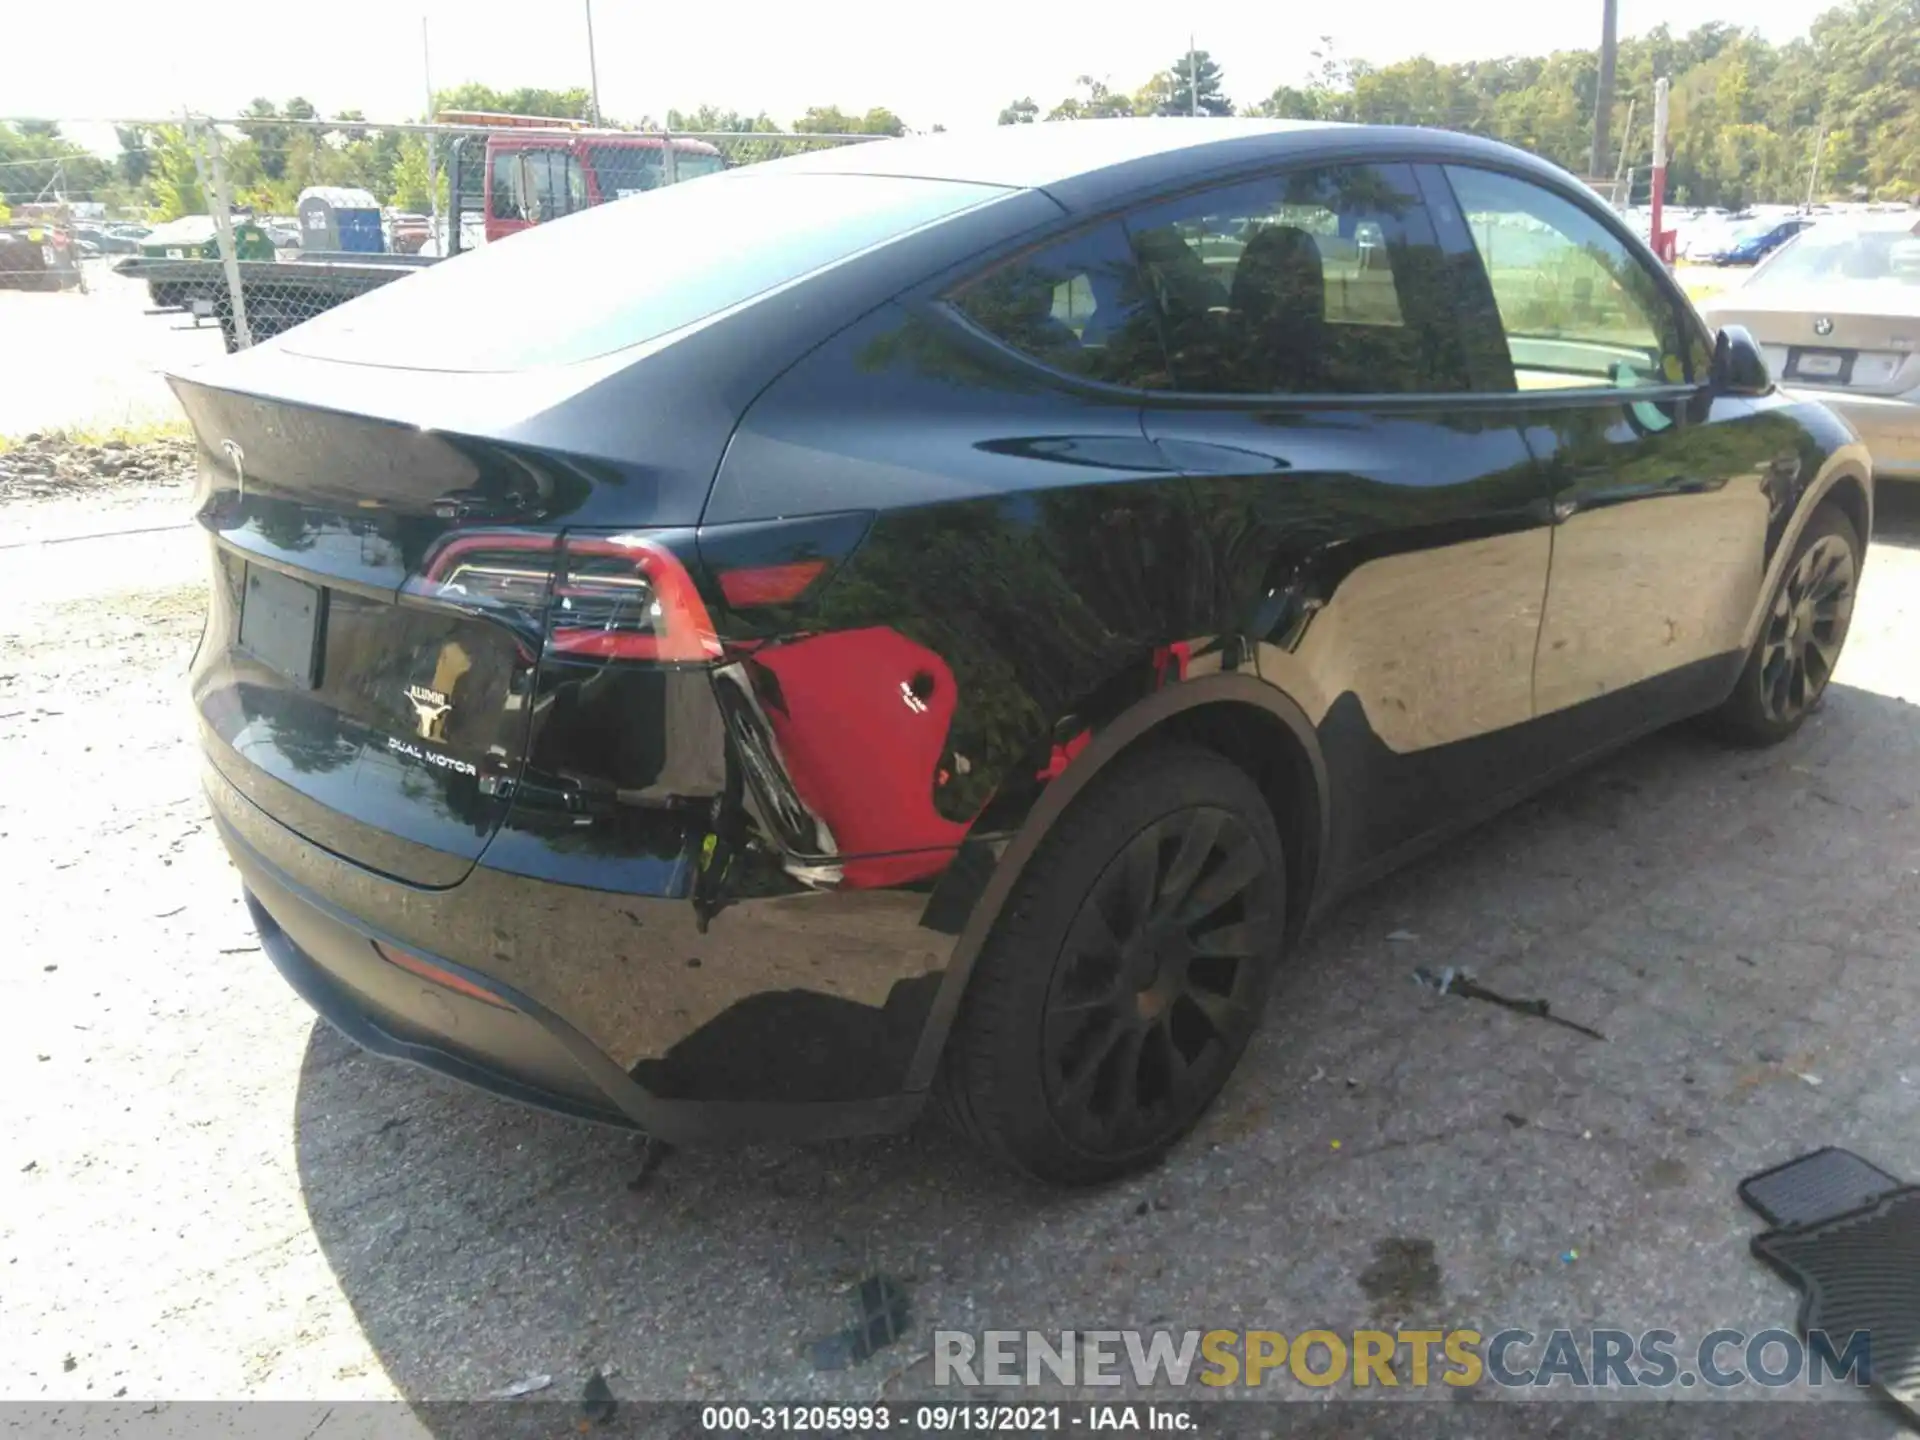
<point>1092,940</point>
<point>1196,847</point>
<point>1219,1009</point>
<point>1076,1088</point>
<point>1140,876</point>
<point>1126,1063</point>
<point>1179,1072</point>
<point>1243,865</point>
<point>1820,662</point>
<point>1775,680</point>
<point>1228,942</point>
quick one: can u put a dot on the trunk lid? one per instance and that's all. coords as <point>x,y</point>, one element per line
<point>380,595</point>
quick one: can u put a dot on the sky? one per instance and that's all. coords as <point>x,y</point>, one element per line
<point>952,65</point>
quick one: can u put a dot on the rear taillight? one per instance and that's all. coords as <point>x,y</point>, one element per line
<point>611,597</point>
<point>758,585</point>
<point>627,597</point>
<point>493,568</point>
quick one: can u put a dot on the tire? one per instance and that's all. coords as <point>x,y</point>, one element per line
<point>1107,1008</point>
<point>1800,641</point>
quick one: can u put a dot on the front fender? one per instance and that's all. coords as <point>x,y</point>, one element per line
<point>1844,463</point>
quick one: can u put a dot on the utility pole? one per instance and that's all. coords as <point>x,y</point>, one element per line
<point>1193,77</point>
<point>1813,178</point>
<point>1626,145</point>
<point>593,66</point>
<point>1659,166</point>
<point>433,159</point>
<point>1603,97</point>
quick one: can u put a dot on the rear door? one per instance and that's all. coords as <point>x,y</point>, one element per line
<point>1661,518</point>
<point>1376,522</point>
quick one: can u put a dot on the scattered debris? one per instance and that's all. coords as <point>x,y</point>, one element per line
<point>1568,1257</point>
<point>29,1167</point>
<point>1518,1122</point>
<point>51,464</point>
<point>1319,1074</point>
<point>69,1364</point>
<point>881,1316</point>
<point>1450,981</point>
<point>239,949</point>
<point>1813,1080</point>
<point>531,1385</point>
<point>596,1400</point>
<point>894,1374</point>
<point>1335,1144</point>
<point>1402,937</point>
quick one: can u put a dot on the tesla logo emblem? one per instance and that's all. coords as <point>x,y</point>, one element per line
<point>1823,326</point>
<point>430,709</point>
<point>239,458</point>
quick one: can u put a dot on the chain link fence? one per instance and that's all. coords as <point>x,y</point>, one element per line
<point>387,201</point>
<point>258,223</point>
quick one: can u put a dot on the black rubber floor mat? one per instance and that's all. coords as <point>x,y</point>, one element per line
<point>1821,1186</point>
<point>1849,1238</point>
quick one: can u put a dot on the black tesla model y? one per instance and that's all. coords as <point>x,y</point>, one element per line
<point>939,617</point>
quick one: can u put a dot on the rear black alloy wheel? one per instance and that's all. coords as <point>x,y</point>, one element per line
<point>1804,633</point>
<point>1800,642</point>
<point>1126,973</point>
<point>1154,990</point>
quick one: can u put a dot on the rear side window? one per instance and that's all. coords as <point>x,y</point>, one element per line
<point>1079,305</point>
<point>622,170</point>
<point>620,275</point>
<point>1578,307</point>
<point>1327,281</point>
<point>537,185</point>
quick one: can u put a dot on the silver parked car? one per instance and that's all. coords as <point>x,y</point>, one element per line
<point>1837,311</point>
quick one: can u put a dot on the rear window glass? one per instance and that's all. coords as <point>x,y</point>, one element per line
<point>625,273</point>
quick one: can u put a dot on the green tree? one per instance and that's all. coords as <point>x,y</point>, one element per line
<point>1099,102</point>
<point>174,183</point>
<point>574,104</point>
<point>713,120</point>
<point>1020,112</point>
<point>1196,75</point>
<point>832,120</point>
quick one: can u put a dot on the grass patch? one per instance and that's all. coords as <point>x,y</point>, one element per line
<point>142,433</point>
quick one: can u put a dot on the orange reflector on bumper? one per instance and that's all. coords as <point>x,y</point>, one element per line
<point>426,970</point>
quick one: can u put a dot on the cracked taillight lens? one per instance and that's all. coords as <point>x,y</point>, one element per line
<point>628,597</point>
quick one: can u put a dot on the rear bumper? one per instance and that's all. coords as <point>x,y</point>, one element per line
<point>611,1013</point>
<point>1889,425</point>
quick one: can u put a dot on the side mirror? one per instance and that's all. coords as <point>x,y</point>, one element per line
<point>1739,366</point>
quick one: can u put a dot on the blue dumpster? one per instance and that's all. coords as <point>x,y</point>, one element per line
<point>334,218</point>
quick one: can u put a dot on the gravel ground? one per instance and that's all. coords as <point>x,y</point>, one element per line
<point>204,1193</point>
<point>56,467</point>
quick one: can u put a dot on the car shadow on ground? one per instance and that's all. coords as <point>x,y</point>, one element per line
<point>1702,908</point>
<point>1896,518</point>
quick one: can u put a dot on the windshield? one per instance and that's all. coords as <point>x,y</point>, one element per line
<point>1846,252</point>
<point>617,275</point>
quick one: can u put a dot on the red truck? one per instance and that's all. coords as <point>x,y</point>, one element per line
<point>561,166</point>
